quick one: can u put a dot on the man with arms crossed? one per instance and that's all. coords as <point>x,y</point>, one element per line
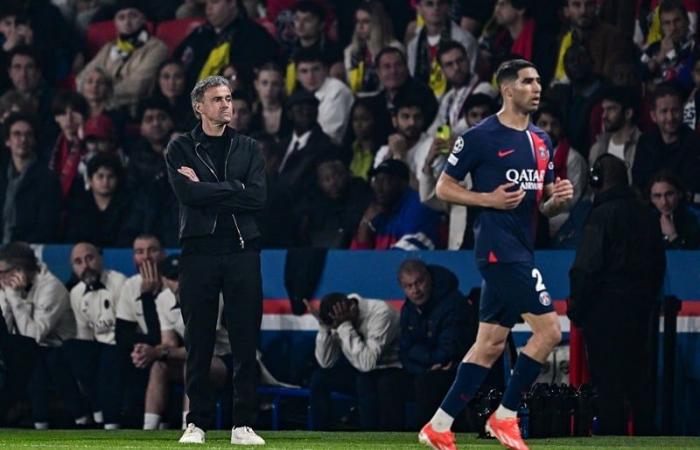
<point>510,161</point>
<point>219,180</point>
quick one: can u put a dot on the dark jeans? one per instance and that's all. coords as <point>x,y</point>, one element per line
<point>52,372</point>
<point>619,356</point>
<point>96,368</point>
<point>202,278</point>
<point>379,393</point>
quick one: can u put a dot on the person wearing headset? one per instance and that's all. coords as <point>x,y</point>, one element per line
<point>615,282</point>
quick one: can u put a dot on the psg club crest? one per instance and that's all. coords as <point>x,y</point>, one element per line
<point>545,299</point>
<point>459,145</point>
<point>543,153</point>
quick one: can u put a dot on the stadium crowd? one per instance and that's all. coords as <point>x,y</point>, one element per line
<point>356,106</point>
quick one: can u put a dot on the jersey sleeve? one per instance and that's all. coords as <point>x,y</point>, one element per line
<point>464,156</point>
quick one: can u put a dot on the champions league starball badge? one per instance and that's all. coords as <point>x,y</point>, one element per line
<point>459,145</point>
<point>543,153</point>
<point>545,299</point>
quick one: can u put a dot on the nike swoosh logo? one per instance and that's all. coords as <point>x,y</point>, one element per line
<point>504,153</point>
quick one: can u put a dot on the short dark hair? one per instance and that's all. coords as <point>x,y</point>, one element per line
<point>24,50</point>
<point>448,46</point>
<point>109,162</point>
<point>327,303</point>
<point>308,55</point>
<point>413,266</point>
<point>311,7</point>
<point>612,169</point>
<point>408,100</point>
<point>19,255</point>
<point>521,4</point>
<point>389,49</point>
<point>666,89</point>
<point>72,100</point>
<point>157,103</point>
<point>240,94</point>
<point>479,99</point>
<point>18,117</point>
<point>666,176</point>
<point>666,6</point>
<point>508,70</point>
<point>622,95</point>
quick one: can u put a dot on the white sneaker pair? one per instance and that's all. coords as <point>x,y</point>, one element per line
<point>239,436</point>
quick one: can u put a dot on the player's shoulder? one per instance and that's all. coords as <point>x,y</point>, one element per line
<point>488,125</point>
<point>475,136</point>
<point>540,133</point>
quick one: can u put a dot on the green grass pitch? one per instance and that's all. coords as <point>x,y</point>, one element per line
<point>98,439</point>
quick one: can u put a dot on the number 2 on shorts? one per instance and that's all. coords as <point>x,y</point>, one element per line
<point>540,284</point>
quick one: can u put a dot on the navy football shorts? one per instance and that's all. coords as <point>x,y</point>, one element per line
<point>511,289</point>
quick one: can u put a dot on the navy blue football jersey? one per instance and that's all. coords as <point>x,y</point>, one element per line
<point>495,154</point>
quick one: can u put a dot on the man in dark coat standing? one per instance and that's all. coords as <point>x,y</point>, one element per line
<point>616,280</point>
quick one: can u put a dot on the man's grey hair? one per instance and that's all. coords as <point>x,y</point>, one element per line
<point>197,94</point>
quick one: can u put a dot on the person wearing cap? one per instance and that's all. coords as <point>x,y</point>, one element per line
<point>133,58</point>
<point>396,218</point>
<point>218,176</point>
<point>306,144</point>
<point>172,354</point>
<point>334,97</point>
<point>93,354</point>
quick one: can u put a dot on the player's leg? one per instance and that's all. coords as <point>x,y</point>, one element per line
<point>156,395</point>
<point>108,390</point>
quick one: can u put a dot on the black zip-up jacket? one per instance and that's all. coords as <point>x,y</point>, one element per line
<point>242,193</point>
<point>620,262</point>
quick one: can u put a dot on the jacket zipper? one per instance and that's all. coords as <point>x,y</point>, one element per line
<point>196,151</point>
<point>235,222</point>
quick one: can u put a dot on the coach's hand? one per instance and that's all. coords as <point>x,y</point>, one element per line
<point>503,198</point>
<point>189,173</point>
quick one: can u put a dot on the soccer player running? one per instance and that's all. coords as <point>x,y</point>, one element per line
<point>510,161</point>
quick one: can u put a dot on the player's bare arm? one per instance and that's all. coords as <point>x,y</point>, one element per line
<point>503,197</point>
<point>557,197</point>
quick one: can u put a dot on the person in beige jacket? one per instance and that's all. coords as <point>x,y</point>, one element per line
<point>132,60</point>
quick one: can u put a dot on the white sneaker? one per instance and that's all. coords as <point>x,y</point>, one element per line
<point>245,436</point>
<point>192,435</point>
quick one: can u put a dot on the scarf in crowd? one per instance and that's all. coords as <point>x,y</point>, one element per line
<point>523,44</point>
<point>219,56</point>
<point>125,45</point>
<point>561,155</point>
<point>65,161</point>
<point>362,76</point>
<point>427,66</point>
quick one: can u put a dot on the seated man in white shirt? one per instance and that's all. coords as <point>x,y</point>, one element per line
<point>408,143</point>
<point>170,365</point>
<point>36,310</point>
<point>137,323</point>
<point>335,98</point>
<point>94,356</point>
<point>365,334</point>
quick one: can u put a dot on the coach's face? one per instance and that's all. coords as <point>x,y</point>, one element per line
<point>525,91</point>
<point>216,105</point>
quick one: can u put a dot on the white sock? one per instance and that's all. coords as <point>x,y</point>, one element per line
<point>83,420</point>
<point>184,419</point>
<point>41,425</point>
<point>504,413</point>
<point>442,421</point>
<point>111,426</point>
<point>151,421</point>
<point>98,417</point>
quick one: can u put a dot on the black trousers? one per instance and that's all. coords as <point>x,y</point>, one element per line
<point>619,355</point>
<point>97,370</point>
<point>202,278</point>
<point>380,398</point>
